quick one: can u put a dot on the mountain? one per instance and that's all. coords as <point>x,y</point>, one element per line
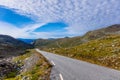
<point>11,46</point>
<point>100,46</point>
<point>74,41</point>
<point>103,51</point>
<point>57,43</point>
<point>92,35</point>
<point>29,41</point>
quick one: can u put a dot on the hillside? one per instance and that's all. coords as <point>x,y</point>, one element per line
<point>57,43</point>
<point>99,46</point>
<point>12,46</point>
<point>18,61</point>
<point>74,41</point>
<point>104,51</point>
<point>92,35</point>
<point>30,66</point>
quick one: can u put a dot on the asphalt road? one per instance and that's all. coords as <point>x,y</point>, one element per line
<point>71,69</point>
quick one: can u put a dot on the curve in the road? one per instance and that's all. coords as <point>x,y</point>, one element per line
<point>72,69</point>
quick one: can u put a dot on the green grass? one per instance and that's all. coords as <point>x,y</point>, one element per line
<point>103,51</point>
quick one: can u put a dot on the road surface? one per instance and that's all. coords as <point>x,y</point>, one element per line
<point>71,69</point>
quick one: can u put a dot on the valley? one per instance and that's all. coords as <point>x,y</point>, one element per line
<point>20,61</point>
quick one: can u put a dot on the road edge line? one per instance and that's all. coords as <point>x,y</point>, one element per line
<point>61,77</point>
<point>52,63</point>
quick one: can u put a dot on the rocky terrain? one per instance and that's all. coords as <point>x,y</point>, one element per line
<point>18,61</point>
<point>33,66</point>
<point>7,68</point>
<point>10,46</point>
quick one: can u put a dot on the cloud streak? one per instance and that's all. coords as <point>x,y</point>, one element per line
<point>25,32</point>
<point>80,15</point>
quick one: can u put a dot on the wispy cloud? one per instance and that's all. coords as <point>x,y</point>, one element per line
<point>8,29</point>
<point>81,15</point>
<point>25,32</point>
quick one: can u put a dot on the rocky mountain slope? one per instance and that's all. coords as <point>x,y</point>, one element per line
<point>12,46</point>
<point>18,61</point>
<point>92,35</point>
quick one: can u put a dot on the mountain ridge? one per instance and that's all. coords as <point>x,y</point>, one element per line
<point>74,41</point>
<point>12,46</point>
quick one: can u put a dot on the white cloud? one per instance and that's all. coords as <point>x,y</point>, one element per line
<point>81,15</point>
<point>26,32</point>
<point>9,29</point>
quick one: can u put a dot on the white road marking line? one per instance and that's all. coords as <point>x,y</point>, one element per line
<point>53,63</point>
<point>61,77</point>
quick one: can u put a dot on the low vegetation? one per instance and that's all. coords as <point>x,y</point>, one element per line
<point>100,46</point>
<point>103,51</point>
<point>33,66</point>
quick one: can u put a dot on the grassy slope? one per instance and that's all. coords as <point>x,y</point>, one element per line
<point>100,46</point>
<point>40,70</point>
<point>104,51</point>
<point>75,41</point>
<point>57,43</point>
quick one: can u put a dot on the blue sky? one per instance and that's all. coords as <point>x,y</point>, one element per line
<point>50,27</point>
<point>11,17</point>
<point>56,18</point>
